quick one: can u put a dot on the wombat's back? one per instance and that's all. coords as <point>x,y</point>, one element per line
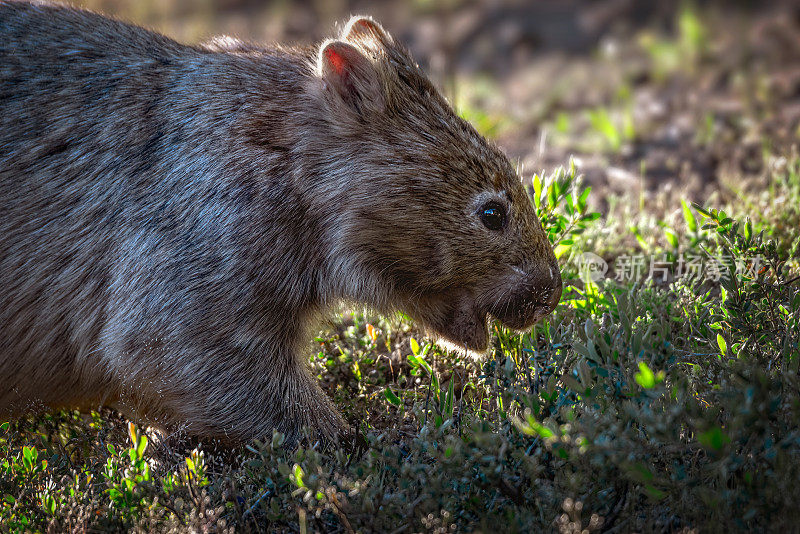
<point>95,148</point>
<point>62,75</point>
<point>71,81</point>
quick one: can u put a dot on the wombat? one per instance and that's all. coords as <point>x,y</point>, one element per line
<point>174,219</point>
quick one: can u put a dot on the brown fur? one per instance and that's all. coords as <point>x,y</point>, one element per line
<point>173,219</point>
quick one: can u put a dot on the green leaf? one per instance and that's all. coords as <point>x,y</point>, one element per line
<point>537,190</point>
<point>700,209</point>
<point>723,345</point>
<point>692,30</point>
<point>638,235</point>
<point>391,397</point>
<point>582,199</point>
<point>672,237</point>
<point>298,476</point>
<point>141,446</point>
<point>688,216</point>
<point>641,472</point>
<point>532,427</point>
<point>569,206</point>
<point>449,399</point>
<point>645,376</point>
<point>29,455</point>
<point>602,123</point>
<point>561,249</point>
<point>425,365</point>
<point>414,346</point>
<point>49,504</point>
<point>573,384</point>
<point>714,439</point>
<point>552,195</point>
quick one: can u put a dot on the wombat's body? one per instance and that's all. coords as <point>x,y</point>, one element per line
<point>173,219</point>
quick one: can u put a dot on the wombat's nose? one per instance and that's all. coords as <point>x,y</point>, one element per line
<point>533,295</point>
<point>555,291</point>
<point>549,285</point>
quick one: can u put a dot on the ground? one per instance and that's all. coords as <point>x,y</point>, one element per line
<point>662,394</point>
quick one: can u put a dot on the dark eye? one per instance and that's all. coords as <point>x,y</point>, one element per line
<point>493,216</point>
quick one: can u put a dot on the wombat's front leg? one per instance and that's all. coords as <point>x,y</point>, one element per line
<point>306,404</point>
<point>216,404</point>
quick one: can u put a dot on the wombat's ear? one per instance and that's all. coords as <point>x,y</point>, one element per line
<point>350,77</point>
<point>366,31</point>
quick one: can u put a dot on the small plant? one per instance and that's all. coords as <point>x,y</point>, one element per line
<point>760,292</point>
<point>614,132</point>
<point>127,473</point>
<point>684,51</point>
<point>562,207</point>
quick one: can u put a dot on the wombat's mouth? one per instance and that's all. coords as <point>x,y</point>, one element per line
<point>458,320</point>
<point>534,297</point>
<point>471,332</point>
<point>463,320</point>
<point>526,314</point>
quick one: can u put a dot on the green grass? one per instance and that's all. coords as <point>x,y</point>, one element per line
<point>645,406</point>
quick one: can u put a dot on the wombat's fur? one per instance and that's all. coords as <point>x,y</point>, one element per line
<point>173,218</point>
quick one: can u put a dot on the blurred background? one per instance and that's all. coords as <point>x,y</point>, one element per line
<point>654,100</point>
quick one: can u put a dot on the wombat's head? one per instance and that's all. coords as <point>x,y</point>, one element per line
<point>428,216</point>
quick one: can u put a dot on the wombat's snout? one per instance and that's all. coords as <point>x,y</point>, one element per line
<point>530,294</point>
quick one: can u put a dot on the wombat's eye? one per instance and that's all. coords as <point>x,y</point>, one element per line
<point>493,216</point>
